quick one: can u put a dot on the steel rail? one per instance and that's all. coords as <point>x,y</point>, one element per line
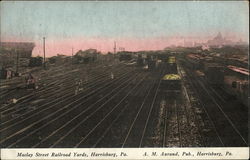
<point>117,105</point>
<point>75,127</point>
<point>225,115</point>
<point>151,108</point>
<point>43,109</point>
<point>64,98</point>
<point>51,122</point>
<point>206,112</point>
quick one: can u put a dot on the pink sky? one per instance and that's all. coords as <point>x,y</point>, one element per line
<point>64,46</point>
<point>133,25</point>
<point>104,45</point>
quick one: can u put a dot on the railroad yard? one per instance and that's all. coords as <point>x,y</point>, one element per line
<point>119,104</point>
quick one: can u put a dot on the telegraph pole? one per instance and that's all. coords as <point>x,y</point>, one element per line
<point>115,48</point>
<point>72,54</point>
<point>44,52</point>
<point>17,60</point>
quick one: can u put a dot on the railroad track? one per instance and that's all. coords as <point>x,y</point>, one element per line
<point>172,133</point>
<point>46,80</point>
<point>134,128</point>
<point>138,125</point>
<point>67,86</point>
<point>49,102</point>
<point>50,82</point>
<point>120,112</point>
<point>208,124</point>
<point>123,126</point>
<point>50,76</point>
<point>136,132</point>
<point>226,116</point>
<point>86,119</point>
<point>194,121</point>
<point>133,101</point>
<point>64,92</point>
<point>113,112</point>
<point>40,119</point>
<point>237,115</point>
<point>167,107</point>
<point>150,118</point>
<point>230,136</point>
<point>116,130</point>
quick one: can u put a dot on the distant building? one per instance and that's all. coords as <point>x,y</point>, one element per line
<point>89,55</point>
<point>10,51</point>
<point>240,42</point>
<point>23,48</point>
<point>219,41</point>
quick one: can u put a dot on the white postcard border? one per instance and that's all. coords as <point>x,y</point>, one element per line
<point>126,153</point>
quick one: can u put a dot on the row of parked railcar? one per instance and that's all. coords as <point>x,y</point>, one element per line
<point>232,79</point>
<point>171,81</point>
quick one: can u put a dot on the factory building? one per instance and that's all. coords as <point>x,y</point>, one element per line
<point>14,55</point>
<point>23,48</point>
<point>11,51</point>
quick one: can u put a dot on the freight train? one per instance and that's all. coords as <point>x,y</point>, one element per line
<point>148,62</point>
<point>171,82</point>
<point>170,65</point>
<point>125,56</point>
<point>214,73</point>
<point>232,79</point>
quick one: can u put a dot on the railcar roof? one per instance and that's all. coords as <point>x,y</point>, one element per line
<point>239,69</point>
<point>171,77</point>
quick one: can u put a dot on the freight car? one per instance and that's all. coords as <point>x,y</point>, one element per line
<point>171,82</point>
<point>35,61</point>
<point>171,60</point>
<point>171,65</point>
<point>236,83</point>
<point>125,57</point>
<point>151,64</point>
<point>140,61</point>
<point>214,73</point>
<point>3,73</point>
<point>193,61</point>
<point>162,56</point>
